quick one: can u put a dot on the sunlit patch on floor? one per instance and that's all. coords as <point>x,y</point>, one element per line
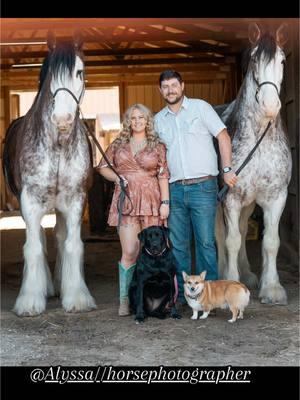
<point>17,222</point>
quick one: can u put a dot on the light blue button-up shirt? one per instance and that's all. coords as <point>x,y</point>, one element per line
<point>188,136</point>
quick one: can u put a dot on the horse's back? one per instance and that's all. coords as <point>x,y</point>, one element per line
<point>10,156</point>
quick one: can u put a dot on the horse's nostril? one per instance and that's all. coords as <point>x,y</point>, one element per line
<point>69,118</point>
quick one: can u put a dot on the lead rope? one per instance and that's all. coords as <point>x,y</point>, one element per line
<point>123,192</point>
<point>223,192</point>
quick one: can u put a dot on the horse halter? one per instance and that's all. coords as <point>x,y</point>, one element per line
<point>71,93</point>
<point>259,85</point>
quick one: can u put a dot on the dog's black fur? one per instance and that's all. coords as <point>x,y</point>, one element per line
<point>152,286</point>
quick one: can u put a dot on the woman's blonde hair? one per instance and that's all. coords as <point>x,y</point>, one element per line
<point>125,133</point>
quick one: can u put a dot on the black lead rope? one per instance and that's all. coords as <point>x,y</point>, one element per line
<point>123,192</point>
<point>223,192</point>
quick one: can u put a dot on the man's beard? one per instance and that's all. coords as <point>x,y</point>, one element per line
<point>175,101</point>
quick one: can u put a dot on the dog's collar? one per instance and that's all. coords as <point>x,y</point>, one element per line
<point>191,297</point>
<point>155,255</point>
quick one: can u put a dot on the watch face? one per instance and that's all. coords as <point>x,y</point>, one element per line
<point>226,169</point>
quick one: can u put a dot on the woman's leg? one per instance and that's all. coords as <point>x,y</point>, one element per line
<point>130,249</point>
<point>129,242</point>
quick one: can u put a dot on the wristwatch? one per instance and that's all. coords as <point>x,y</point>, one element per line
<point>165,202</point>
<point>226,169</point>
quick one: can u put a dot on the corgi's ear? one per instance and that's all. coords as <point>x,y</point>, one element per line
<point>185,276</point>
<point>203,275</point>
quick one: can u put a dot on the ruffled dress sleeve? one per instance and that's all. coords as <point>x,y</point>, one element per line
<point>162,167</point>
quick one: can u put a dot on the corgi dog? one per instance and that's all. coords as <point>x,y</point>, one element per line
<point>204,295</point>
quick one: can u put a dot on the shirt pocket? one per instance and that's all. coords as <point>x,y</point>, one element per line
<point>193,125</point>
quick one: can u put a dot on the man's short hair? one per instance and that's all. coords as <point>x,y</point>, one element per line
<point>169,74</point>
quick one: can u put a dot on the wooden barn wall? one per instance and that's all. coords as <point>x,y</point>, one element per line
<point>149,95</point>
<point>289,227</point>
<point>2,129</point>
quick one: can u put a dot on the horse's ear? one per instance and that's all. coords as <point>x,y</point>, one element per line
<point>254,33</point>
<point>282,35</point>
<point>51,40</point>
<point>78,40</point>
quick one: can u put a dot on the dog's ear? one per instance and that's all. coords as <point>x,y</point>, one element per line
<point>185,276</point>
<point>203,275</point>
<point>142,237</point>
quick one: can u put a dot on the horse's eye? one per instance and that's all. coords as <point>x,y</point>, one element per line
<point>79,73</point>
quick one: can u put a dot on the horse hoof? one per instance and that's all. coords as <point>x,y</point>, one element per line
<point>273,295</point>
<point>79,303</point>
<point>268,300</point>
<point>29,307</point>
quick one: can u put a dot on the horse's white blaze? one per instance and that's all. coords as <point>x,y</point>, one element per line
<point>270,72</point>
<point>65,106</point>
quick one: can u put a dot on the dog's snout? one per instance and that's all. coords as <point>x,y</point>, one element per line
<point>192,288</point>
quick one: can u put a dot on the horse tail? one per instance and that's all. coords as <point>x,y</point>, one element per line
<point>9,153</point>
<point>220,230</point>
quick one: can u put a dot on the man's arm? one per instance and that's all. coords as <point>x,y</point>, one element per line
<point>224,142</point>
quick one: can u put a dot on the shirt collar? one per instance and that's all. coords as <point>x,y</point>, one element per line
<point>184,105</point>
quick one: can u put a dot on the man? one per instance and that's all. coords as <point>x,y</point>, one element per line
<point>187,126</point>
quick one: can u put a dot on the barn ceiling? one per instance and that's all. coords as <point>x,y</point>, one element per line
<point>129,45</point>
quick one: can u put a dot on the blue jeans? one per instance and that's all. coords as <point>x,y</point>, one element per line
<point>193,211</point>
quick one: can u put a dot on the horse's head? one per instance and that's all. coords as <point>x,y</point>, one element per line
<point>67,81</point>
<point>266,68</point>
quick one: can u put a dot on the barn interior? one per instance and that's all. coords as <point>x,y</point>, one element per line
<point>128,54</point>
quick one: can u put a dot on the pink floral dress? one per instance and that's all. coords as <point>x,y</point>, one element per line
<point>142,172</point>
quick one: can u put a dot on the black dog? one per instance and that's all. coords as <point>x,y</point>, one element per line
<point>152,286</point>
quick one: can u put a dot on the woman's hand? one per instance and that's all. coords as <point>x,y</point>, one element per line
<point>164,211</point>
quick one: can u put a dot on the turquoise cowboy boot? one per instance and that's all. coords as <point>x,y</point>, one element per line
<point>125,277</point>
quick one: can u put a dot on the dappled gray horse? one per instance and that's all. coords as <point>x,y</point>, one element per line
<point>47,165</point>
<point>265,178</point>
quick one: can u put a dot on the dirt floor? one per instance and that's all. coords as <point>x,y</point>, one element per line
<point>268,335</point>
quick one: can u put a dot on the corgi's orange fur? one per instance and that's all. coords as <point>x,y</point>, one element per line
<point>204,295</point>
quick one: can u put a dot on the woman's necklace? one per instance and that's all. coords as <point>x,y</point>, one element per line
<point>137,146</point>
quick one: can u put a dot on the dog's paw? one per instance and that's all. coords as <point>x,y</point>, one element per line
<point>192,317</point>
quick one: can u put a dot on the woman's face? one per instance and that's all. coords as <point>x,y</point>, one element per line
<point>138,121</point>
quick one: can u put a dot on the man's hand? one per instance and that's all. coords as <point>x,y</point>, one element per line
<point>230,178</point>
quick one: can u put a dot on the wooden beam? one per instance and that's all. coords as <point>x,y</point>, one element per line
<point>69,23</point>
<point>151,61</point>
<point>139,36</point>
<point>127,51</point>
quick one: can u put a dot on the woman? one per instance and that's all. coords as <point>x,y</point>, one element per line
<point>140,158</point>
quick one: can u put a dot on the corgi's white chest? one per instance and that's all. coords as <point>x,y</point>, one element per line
<point>194,304</point>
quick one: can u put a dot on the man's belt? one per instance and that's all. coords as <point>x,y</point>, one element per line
<point>192,181</point>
